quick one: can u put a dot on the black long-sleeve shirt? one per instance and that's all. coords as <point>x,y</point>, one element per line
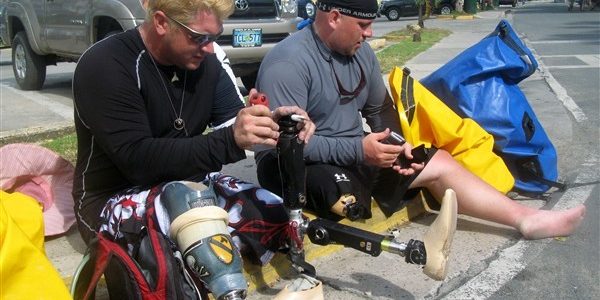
<point>124,122</point>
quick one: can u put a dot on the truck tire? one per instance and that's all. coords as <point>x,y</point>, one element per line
<point>446,9</point>
<point>393,13</point>
<point>29,68</point>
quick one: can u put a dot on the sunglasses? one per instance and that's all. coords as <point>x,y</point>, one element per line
<point>344,94</point>
<point>198,37</point>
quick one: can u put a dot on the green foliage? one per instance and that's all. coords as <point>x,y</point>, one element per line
<point>405,49</point>
<point>65,146</point>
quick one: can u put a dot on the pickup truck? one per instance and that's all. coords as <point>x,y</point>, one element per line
<point>45,32</point>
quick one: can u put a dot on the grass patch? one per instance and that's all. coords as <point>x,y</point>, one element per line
<point>404,48</point>
<point>65,146</point>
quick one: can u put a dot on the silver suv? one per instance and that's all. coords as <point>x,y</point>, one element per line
<point>44,32</point>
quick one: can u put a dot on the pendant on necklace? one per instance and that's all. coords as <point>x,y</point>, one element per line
<point>179,124</point>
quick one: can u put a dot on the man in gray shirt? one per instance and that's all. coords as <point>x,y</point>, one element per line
<point>329,70</point>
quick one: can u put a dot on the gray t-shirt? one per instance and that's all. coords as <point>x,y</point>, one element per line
<point>300,71</point>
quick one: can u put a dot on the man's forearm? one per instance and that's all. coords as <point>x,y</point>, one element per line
<point>341,151</point>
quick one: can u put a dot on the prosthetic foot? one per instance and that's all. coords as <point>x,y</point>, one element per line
<point>438,238</point>
<point>302,288</point>
<point>199,228</point>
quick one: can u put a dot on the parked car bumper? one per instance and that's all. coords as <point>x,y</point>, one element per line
<point>245,59</point>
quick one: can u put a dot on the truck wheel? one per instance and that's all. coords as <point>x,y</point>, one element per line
<point>29,67</point>
<point>446,9</point>
<point>393,14</point>
<point>249,80</point>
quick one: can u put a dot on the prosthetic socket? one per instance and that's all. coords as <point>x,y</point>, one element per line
<point>199,227</point>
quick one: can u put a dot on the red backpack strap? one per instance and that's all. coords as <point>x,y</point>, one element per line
<point>153,232</point>
<point>105,250</point>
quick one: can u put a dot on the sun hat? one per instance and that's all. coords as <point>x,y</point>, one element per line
<point>44,175</point>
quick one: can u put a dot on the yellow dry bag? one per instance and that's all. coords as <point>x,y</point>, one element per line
<point>425,119</point>
<point>25,271</point>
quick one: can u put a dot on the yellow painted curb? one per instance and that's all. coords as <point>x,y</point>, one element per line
<point>467,17</point>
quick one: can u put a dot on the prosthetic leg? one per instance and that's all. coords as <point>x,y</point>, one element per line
<point>325,232</point>
<point>438,237</point>
<point>199,228</point>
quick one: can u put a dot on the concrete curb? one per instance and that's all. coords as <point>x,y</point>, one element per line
<point>36,134</point>
<point>465,17</point>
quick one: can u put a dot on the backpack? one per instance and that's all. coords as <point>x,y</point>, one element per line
<point>154,271</point>
<point>482,83</point>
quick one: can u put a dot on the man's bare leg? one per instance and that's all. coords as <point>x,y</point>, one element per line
<point>478,199</point>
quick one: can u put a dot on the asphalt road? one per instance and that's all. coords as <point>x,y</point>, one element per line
<point>23,110</point>
<point>568,44</point>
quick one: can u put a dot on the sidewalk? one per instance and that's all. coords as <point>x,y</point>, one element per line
<point>349,274</point>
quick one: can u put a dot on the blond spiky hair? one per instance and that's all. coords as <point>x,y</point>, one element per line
<point>186,9</point>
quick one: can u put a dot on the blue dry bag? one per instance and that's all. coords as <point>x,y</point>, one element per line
<point>481,83</point>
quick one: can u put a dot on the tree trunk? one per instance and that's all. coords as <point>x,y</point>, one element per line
<point>428,8</point>
<point>459,5</point>
<point>421,23</point>
<point>417,37</point>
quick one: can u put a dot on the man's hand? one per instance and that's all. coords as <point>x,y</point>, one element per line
<point>257,125</point>
<point>306,126</point>
<point>384,155</point>
<point>254,125</point>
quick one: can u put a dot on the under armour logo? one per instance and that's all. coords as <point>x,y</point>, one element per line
<point>341,177</point>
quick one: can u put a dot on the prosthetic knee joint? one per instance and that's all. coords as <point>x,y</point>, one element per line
<point>199,227</point>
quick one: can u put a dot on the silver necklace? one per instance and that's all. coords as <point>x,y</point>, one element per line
<point>178,124</point>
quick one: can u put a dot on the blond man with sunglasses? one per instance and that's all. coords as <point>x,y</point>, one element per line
<point>144,99</point>
<point>329,70</point>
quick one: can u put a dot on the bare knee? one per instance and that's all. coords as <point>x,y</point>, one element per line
<point>442,164</point>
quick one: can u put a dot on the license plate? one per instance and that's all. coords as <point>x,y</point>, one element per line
<point>246,37</point>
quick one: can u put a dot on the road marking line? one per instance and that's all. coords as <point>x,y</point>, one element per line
<point>571,67</point>
<point>511,261</point>
<point>560,42</point>
<point>592,60</point>
<point>58,108</point>
<point>557,88</point>
<point>580,56</point>
<point>589,60</point>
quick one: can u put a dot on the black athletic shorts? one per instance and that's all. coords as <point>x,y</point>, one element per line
<point>325,184</point>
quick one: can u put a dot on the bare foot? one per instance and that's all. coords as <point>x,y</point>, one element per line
<point>546,223</point>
